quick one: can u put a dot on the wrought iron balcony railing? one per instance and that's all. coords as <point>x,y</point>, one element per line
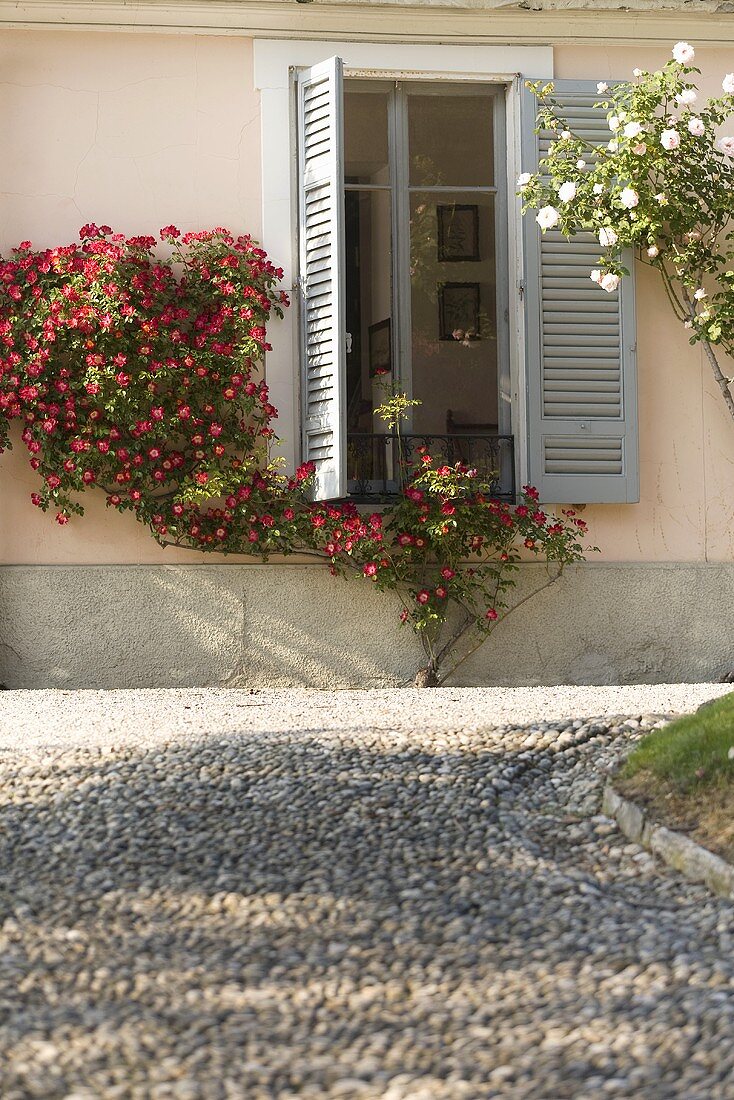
<point>377,464</point>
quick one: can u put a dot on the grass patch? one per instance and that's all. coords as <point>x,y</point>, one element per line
<point>692,752</point>
<point>683,776</point>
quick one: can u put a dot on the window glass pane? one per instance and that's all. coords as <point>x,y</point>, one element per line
<point>454,312</point>
<point>369,305</point>
<point>365,137</point>
<point>451,140</point>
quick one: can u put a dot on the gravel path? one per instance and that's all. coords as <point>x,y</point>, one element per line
<point>383,895</point>
<point>54,719</point>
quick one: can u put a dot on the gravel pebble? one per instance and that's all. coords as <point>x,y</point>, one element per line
<point>388,895</point>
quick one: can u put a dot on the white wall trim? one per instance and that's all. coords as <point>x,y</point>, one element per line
<point>273,62</point>
<point>479,21</point>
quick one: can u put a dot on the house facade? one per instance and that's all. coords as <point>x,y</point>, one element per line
<point>373,150</point>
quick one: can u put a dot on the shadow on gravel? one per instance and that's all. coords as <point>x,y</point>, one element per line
<point>276,917</point>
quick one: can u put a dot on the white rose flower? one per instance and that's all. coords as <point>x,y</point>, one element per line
<point>607,236</point>
<point>694,235</point>
<point>613,146</point>
<point>548,217</point>
<point>653,251</point>
<point>567,191</point>
<point>686,97</point>
<point>696,126</point>
<point>629,198</point>
<point>688,324</point>
<point>726,144</point>
<point>598,188</point>
<point>580,164</point>
<point>595,275</point>
<point>523,179</point>
<point>633,129</point>
<point>728,84</point>
<point>565,134</point>
<point>637,72</point>
<point>670,139</point>
<point>683,53</point>
<point>614,123</point>
<point>700,294</point>
<point>609,282</point>
<point>639,150</point>
<point>602,87</point>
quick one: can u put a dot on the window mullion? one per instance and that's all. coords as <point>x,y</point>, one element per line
<point>401,238</point>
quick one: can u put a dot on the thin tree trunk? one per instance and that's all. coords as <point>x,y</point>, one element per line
<point>426,677</point>
<point>722,381</point>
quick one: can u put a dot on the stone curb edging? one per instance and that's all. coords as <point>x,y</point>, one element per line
<point>676,850</point>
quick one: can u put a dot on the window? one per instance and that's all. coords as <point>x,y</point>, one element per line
<point>425,271</point>
<point>403,229</point>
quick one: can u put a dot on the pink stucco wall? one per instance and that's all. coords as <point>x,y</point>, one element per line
<point>137,131</point>
<point>142,130</point>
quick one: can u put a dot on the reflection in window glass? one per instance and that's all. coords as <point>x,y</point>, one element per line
<point>369,304</point>
<point>451,140</point>
<point>365,137</point>
<point>453,311</point>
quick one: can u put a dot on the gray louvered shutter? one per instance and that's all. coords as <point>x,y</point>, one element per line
<point>321,232</point>
<point>581,364</point>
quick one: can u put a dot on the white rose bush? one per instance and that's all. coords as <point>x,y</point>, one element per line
<point>663,185</point>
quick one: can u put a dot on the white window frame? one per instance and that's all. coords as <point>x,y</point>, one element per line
<point>274,64</point>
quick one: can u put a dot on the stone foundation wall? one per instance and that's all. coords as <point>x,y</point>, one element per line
<point>119,626</point>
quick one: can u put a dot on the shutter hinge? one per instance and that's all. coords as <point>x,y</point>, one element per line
<point>521,289</point>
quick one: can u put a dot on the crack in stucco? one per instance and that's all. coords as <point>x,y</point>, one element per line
<point>246,126</point>
<point>234,678</point>
<point>88,153</point>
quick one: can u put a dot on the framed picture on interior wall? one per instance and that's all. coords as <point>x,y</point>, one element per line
<point>458,233</point>
<point>458,311</point>
<point>380,348</point>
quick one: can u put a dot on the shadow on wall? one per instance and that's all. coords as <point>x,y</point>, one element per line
<point>197,626</point>
<point>274,905</point>
<point>294,625</point>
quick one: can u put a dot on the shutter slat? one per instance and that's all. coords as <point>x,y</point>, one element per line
<point>322,267</point>
<point>580,370</point>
